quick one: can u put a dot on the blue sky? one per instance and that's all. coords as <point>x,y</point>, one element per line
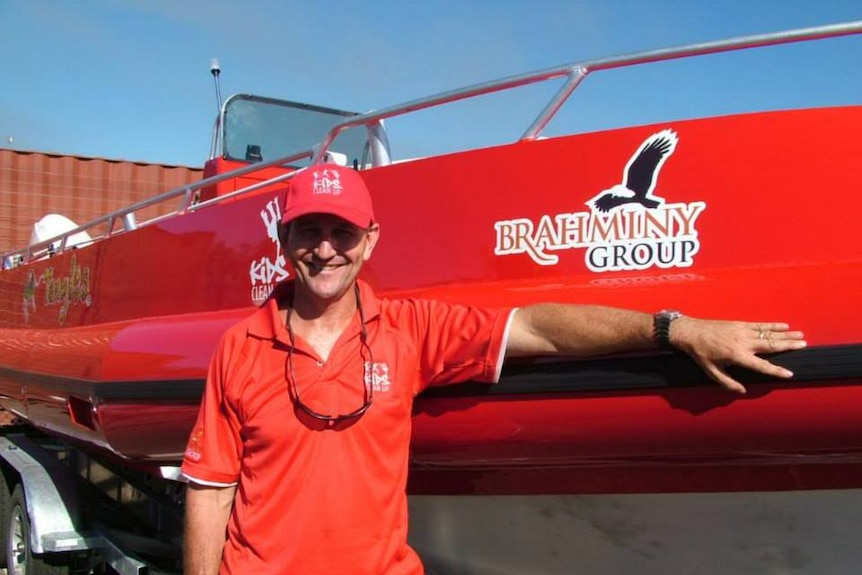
<point>129,79</point>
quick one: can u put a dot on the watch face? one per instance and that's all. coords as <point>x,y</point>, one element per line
<point>670,314</point>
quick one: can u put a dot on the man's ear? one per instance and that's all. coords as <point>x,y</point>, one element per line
<point>372,235</point>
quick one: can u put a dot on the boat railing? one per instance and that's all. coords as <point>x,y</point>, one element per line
<point>372,121</point>
<point>187,203</point>
<point>576,72</point>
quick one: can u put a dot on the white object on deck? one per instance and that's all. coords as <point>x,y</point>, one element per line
<point>53,225</point>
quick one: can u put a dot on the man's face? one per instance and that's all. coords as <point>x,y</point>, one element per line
<point>327,253</point>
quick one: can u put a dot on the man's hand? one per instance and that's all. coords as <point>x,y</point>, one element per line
<point>585,331</point>
<point>716,344</point>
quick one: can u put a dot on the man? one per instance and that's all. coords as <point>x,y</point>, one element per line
<point>298,461</point>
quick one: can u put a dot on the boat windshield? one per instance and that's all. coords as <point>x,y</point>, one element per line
<point>258,129</point>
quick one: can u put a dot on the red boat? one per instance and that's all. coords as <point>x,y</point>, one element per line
<point>751,216</point>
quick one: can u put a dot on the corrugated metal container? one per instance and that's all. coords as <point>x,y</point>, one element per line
<point>34,184</point>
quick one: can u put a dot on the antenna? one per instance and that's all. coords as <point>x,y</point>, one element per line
<point>215,70</point>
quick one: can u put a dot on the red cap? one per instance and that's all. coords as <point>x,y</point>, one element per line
<point>329,189</point>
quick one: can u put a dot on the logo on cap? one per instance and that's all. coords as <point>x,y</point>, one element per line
<point>327,182</point>
<point>329,189</point>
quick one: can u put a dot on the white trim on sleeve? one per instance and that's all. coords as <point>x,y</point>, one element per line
<point>207,483</point>
<point>503,344</point>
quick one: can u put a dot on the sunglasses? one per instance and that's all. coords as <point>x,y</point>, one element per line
<point>368,395</point>
<point>367,375</point>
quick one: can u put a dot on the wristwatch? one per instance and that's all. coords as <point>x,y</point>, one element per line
<point>661,326</point>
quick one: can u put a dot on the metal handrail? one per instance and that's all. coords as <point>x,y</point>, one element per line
<point>186,191</point>
<point>575,72</point>
<point>582,68</point>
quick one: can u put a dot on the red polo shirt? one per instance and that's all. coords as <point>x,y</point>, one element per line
<point>315,498</point>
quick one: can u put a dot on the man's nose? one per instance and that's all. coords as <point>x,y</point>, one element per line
<point>325,247</point>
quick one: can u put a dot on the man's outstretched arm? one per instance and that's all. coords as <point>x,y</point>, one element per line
<point>595,330</point>
<point>206,516</point>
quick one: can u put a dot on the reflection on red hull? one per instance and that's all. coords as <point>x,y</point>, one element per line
<point>131,347</point>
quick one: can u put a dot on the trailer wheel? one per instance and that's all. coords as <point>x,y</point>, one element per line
<point>5,495</point>
<point>19,555</point>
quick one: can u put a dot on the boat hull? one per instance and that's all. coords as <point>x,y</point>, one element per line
<point>109,345</point>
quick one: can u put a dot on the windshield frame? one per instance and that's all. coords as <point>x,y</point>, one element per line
<point>276,141</point>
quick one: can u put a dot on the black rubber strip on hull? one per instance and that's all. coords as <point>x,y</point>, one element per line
<point>672,369</point>
<point>538,375</point>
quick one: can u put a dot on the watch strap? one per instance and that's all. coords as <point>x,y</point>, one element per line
<point>661,327</point>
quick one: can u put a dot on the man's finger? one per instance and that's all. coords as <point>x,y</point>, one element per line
<point>766,367</point>
<point>769,326</point>
<point>774,343</point>
<point>723,379</point>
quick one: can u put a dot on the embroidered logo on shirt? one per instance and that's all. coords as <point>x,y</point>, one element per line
<point>193,450</point>
<point>377,376</point>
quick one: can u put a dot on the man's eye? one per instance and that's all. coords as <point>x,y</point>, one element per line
<point>343,234</point>
<point>307,233</point>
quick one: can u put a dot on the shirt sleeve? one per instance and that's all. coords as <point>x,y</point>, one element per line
<point>460,343</point>
<point>214,449</point>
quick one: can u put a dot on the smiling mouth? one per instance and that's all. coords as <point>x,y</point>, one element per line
<point>315,268</point>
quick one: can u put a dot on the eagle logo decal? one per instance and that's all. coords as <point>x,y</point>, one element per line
<point>627,227</point>
<point>640,175</point>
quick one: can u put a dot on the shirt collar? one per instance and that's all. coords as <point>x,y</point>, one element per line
<point>266,322</point>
